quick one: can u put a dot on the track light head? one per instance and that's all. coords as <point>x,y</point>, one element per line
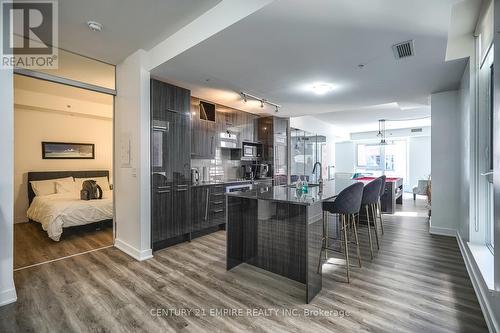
<point>262,103</point>
<point>277,109</point>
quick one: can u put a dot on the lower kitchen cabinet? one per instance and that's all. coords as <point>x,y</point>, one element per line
<point>171,213</point>
<point>200,200</point>
<point>181,210</point>
<point>161,212</point>
<point>209,208</point>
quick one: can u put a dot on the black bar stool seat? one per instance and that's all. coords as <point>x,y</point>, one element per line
<point>371,196</point>
<point>346,205</point>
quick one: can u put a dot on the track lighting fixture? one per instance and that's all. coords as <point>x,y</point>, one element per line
<point>262,101</point>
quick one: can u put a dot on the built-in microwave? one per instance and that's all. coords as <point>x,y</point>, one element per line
<point>249,151</point>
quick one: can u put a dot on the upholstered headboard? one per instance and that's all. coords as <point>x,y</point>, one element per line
<point>46,175</point>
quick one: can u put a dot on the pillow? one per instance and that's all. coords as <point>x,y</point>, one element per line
<point>103,182</point>
<point>67,187</point>
<point>46,187</point>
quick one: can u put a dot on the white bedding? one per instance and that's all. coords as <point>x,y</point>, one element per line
<point>61,210</point>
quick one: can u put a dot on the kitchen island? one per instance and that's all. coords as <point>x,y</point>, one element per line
<point>279,229</point>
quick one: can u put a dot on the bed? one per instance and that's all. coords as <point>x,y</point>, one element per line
<point>63,210</point>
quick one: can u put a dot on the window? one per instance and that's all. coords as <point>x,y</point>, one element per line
<point>387,159</point>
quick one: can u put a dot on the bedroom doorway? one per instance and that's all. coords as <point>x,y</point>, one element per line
<point>63,142</point>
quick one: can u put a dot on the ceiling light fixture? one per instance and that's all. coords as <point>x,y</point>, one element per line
<point>94,26</point>
<point>381,132</point>
<point>322,88</point>
<point>262,101</point>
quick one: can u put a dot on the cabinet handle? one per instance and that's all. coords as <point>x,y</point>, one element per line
<point>163,187</point>
<point>162,191</point>
<point>182,185</point>
<point>218,202</point>
<point>217,194</point>
<point>218,210</point>
<point>212,145</point>
<point>181,189</point>
<point>206,206</point>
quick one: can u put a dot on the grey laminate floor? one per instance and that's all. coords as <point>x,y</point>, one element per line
<point>416,283</point>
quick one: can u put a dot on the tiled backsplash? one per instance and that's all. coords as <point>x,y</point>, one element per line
<point>220,168</point>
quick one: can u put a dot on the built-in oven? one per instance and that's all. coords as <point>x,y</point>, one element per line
<point>239,188</point>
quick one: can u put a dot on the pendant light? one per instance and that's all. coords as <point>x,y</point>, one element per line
<point>381,132</point>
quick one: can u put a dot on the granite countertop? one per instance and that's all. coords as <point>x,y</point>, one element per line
<point>290,195</point>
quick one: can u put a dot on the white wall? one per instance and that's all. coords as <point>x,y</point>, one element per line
<point>7,289</point>
<point>31,127</point>
<point>465,153</point>
<point>419,159</point>
<point>132,180</point>
<point>445,162</point>
<point>345,157</point>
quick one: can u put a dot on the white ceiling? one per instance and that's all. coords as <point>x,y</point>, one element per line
<point>366,119</point>
<point>128,25</point>
<point>277,51</point>
<point>47,96</point>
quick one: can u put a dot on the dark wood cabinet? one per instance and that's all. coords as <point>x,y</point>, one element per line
<point>200,198</point>
<point>204,140</point>
<point>181,210</point>
<point>170,163</point>
<point>210,208</point>
<point>161,213</point>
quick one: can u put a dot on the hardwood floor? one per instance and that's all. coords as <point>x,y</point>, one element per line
<point>33,246</point>
<point>416,283</point>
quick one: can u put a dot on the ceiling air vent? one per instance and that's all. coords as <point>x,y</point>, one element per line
<point>416,130</point>
<point>403,50</point>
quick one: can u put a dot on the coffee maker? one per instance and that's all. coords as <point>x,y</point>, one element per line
<point>247,172</point>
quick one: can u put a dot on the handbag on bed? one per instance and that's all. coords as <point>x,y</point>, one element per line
<point>90,190</point>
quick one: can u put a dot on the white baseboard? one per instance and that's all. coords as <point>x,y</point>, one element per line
<point>482,291</point>
<point>8,296</point>
<point>132,251</point>
<point>443,231</point>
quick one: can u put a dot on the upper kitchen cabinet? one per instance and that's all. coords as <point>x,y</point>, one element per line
<point>247,124</point>
<point>203,138</point>
<point>167,97</point>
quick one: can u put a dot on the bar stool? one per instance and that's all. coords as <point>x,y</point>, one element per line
<point>346,204</point>
<point>371,193</point>
<point>379,205</point>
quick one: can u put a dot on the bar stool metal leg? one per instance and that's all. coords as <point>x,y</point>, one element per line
<point>346,253</point>
<point>375,224</point>
<point>356,238</point>
<point>325,234</point>
<point>323,240</point>
<point>369,231</point>
<point>379,205</point>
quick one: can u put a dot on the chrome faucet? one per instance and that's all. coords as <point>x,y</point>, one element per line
<point>320,182</point>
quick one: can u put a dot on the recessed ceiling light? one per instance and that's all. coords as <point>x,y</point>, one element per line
<point>94,26</point>
<point>322,88</point>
